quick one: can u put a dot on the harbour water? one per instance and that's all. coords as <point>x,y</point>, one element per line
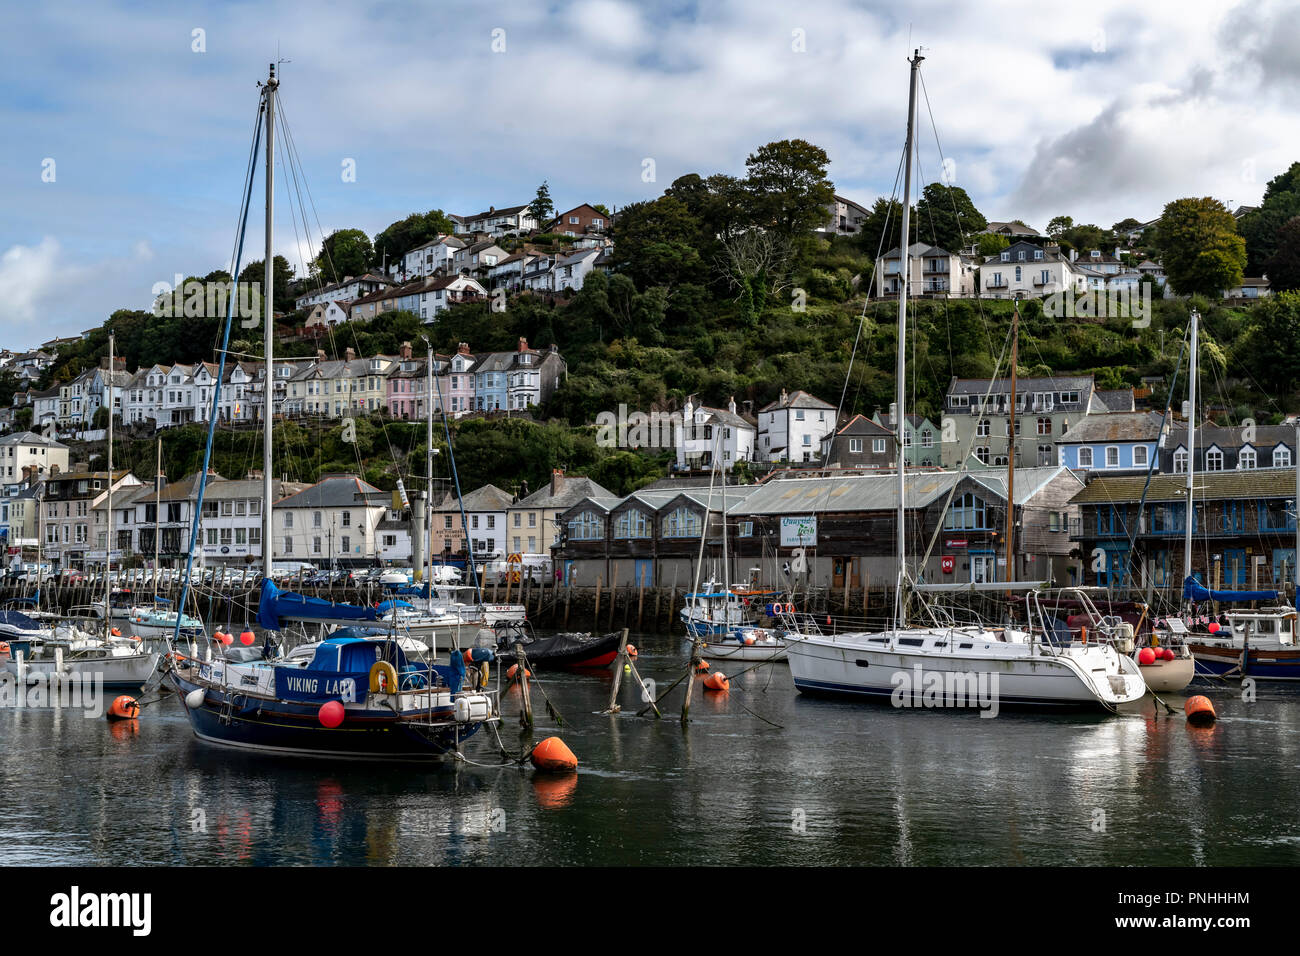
<point>760,776</point>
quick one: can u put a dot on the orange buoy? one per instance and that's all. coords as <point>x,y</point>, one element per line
<point>123,708</point>
<point>115,632</point>
<point>513,673</point>
<point>1199,710</point>
<point>631,651</point>
<point>701,666</point>
<point>716,681</point>
<point>552,754</point>
<point>247,638</point>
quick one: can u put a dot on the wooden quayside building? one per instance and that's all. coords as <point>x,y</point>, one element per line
<point>1243,530</point>
<point>840,524</point>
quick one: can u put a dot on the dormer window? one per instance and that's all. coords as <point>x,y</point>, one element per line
<point>1006,257</point>
<point>1038,253</point>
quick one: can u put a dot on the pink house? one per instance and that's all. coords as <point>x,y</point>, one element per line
<point>407,384</point>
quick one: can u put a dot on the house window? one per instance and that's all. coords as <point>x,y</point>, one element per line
<point>345,545</point>
<point>1140,459</point>
<point>288,545</point>
<point>632,523</point>
<point>968,513</point>
<point>1085,457</point>
<point>982,429</point>
<point>586,526</point>
<point>1214,460</point>
<point>1246,458</point>
<point>1180,461</point>
<point>1112,456</point>
<point>1044,426</point>
<point>855,446</point>
<point>682,523</point>
<point>288,519</point>
<point>878,446</point>
<point>1281,457</point>
<point>982,454</point>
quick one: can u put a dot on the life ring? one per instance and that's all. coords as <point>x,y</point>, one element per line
<point>789,609</point>
<point>383,678</point>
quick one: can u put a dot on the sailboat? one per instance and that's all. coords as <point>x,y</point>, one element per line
<point>1262,642</point>
<point>725,623</point>
<point>947,664</point>
<point>364,692</point>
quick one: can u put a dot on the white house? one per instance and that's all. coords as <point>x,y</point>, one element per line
<point>792,427</point>
<point>331,522</point>
<point>352,287</point>
<point>1027,270</point>
<point>440,293</point>
<point>432,258</point>
<point>933,271</point>
<point>30,450</point>
<point>570,270</point>
<point>708,432</point>
<point>327,314</point>
<point>496,222</point>
<point>485,516</point>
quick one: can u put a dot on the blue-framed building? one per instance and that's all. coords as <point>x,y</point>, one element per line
<point>1112,443</point>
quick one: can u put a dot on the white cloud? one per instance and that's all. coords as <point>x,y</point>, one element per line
<point>30,276</point>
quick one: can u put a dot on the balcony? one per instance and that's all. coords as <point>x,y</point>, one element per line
<point>936,268</point>
<point>993,284</point>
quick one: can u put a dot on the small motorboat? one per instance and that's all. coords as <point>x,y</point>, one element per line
<point>570,651</point>
<point>745,644</point>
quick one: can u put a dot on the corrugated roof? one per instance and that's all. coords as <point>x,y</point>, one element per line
<point>1252,483</point>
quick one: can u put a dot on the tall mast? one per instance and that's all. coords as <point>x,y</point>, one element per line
<point>157,510</point>
<point>268,328</point>
<point>1191,451</point>
<point>901,365</point>
<point>1011,448</point>
<point>428,466</point>
<point>108,540</point>
<point>1295,560</point>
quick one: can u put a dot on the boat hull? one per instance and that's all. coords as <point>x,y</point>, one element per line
<point>282,727</point>
<point>564,652</point>
<point>826,667</point>
<point>730,650</point>
<point>1224,660</point>
<point>120,672</point>
<point>1168,677</point>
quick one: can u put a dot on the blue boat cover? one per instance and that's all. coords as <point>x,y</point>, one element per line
<point>387,606</point>
<point>275,604</point>
<point>1194,590</point>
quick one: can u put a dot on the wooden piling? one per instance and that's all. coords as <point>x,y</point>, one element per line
<point>619,660</point>
<point>690,682</point>
<point>640,604</point>
<point>595,617</point>
<point>521,662</point>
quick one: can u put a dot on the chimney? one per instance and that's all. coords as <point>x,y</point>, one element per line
<point>320,355</point>
<point>893,414</point>
<point>1074,255</point>
<point>731,404</point>
<point>351,353</point>
<point>27,474</point>
<point>523,344</point>
<point>784,397</point>
<point>557,479</point>
<point>54,470</point>
<point>463,349</point>
<point>405,350</point>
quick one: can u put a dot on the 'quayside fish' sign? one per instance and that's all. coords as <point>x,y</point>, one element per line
<point>319,686</point>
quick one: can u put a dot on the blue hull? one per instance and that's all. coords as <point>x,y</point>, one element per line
<point>1261,666</point>
<point>289,728</point>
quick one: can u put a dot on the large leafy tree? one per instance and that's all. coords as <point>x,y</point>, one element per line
<point>655,243</point>
<point>1261,227</point>
<point>1201,249</point>
<point>947,217</point>
<point>255,271</point>
<point>1274,342</point>
<point>787,180</point>
<point>415,230</point>
<point>1059,226</point>
<point>345,252</point>
<point>882,227</point>
<point>1283,267</point>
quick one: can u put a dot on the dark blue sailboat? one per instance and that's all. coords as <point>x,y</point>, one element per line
<point>358,694</point>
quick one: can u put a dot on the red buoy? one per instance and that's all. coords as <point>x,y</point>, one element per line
<point>1199,710</point>
<point>1146,657</point>
<point>247,638</point>
<point>330,714</point>
<point>1214,628</point>
<point>1168,654</point>
<point>701,666</point>
<point>552,754</point>
<point>631,651</point>
<point>123,708</point>
<point>513,673</point>
<point>716,681</point>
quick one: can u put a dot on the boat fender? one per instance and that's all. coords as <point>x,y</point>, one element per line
<point>383,678</point>
<point>194,699</point>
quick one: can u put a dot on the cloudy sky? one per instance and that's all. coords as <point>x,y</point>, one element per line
<point>124,145</point>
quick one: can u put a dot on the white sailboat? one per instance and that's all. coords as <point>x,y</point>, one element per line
<point>947,664</point>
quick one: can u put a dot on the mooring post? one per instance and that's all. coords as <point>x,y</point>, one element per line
<point>619,660</point>
<point>521,673</point>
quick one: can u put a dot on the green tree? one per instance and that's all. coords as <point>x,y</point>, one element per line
<point>791,193</point>
<point>345,252</point>
<point>255,272</point>
<point>1283,267</point>
<point>882,227</point>
<point>1059,226</point>
<point>1201,249</point>
<point>1273,342</point>
<point>946,216</point>
<point>1125,226</point>
<point>1260,227</point>
<point>415,230</point>
<point>655,243</point>
<point>990,244</point>
<point>541,208</point>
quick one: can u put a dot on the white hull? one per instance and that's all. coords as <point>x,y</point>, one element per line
<point>1168,677</point>
<point>719,650</point>
<point>1027,675</point>
<point>126,670</point>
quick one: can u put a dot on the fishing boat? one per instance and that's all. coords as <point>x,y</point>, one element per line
<point>730,624</point>
<point>1259,643</point>
<point>352,695</point>
<point>1030,666</point>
